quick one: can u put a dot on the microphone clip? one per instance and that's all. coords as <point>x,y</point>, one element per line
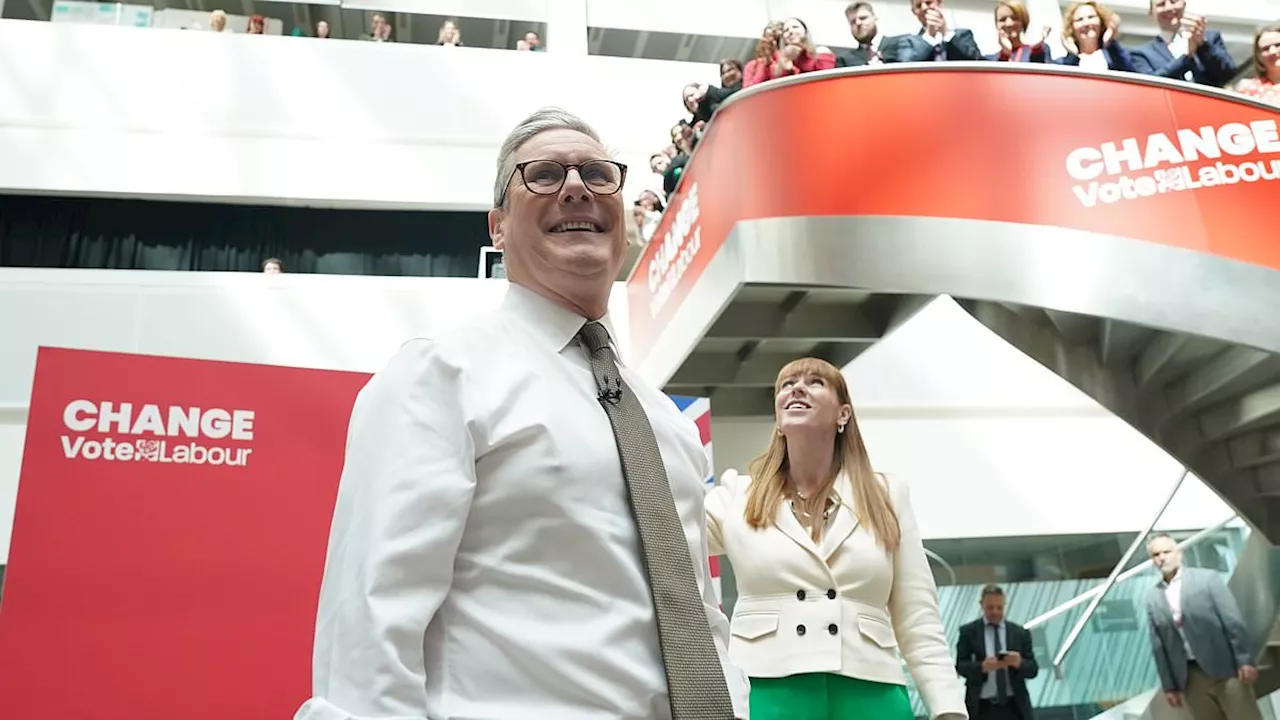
<point>611,391</point>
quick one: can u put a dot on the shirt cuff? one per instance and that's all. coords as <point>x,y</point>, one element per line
<point>739,691</point>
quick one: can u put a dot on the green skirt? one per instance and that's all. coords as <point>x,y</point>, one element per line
<point>823,696</point>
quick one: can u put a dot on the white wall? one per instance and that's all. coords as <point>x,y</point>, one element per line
<point>992,443</point>
<point>297,121</point>
<point>315,321</point>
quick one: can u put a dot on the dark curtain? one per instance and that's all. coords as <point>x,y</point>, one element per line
<point>158,235</point>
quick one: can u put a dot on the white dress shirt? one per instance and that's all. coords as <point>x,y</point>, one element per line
<point>1095,61</point>
<point>1178,46</point>
<point>1173,595</point>
<point>483,561</point>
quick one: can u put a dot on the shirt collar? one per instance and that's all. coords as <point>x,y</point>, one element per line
<point>1168,36</point>
<point>550,324</point>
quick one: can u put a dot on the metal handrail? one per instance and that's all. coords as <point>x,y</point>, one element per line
<point>945,565</point>
<point>1111,579</point>
<point>1134,571</point>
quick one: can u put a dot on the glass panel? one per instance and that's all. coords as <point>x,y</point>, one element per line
<point>1111,660</point>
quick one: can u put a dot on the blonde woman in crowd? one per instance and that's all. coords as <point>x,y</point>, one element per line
<point>833,583</point>
<point>1089,32</point>
<point>449,34</point>
<point>1266,65</point>
<point>218,20</point>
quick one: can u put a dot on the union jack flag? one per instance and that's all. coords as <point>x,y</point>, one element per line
<point>699,411</point>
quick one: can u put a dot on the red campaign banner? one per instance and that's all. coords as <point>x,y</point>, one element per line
<point>1120,154</point>
<point>170,536</point>
<point>169,539</point>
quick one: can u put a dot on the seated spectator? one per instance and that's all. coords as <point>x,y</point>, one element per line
<point>272,266</point>
<point>796,54</point>
<point>534,41</point>
<point>1266,65</point>
<point>322,30</point>
<point>731,74</point>
<point>257,25</point>
<point>702,100</point>
<point>1089,31</point>
<point>218,20</point>
<point>1012,21</point>
<point>1186,48</point>
<point>449,34</point>
<point>936,41</point>
<point>379,29</point>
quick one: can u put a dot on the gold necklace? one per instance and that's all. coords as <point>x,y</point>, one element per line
<point>801,509</point>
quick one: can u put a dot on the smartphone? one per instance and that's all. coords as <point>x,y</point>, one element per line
<point>1001,655</point>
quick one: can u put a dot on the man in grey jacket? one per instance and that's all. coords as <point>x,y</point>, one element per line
<point>1198,638</point>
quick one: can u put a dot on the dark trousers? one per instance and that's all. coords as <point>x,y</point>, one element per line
<point>988,710</point>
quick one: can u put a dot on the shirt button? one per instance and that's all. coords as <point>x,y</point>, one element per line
<point>833,629</point>
<point>799,629</point>
<point>800,595</point>
<point>831,594</point>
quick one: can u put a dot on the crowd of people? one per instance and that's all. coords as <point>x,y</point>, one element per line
<point>380,30</point>
<point>1186,49</point>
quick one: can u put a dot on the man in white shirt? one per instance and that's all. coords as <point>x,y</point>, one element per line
<point>487,556</point>
<point>1198,639</point>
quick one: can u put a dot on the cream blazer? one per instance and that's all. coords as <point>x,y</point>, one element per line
<point>845,606</point>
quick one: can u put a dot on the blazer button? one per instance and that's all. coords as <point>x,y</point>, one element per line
<point>800,595</point>
<point>833,629</point>
<point>831,594</point>
<point>799,629</point>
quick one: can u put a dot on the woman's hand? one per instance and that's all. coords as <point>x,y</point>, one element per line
<point>1113,26</point>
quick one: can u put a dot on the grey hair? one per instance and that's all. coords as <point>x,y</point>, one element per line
<point>547,118</point>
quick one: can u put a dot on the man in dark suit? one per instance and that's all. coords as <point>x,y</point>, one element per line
<point>936,41</point>
<point>872,47</point>
<point>1198,638</point>
<point>996,659</point>
<point>1186,49</point>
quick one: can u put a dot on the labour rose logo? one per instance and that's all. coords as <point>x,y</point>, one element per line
<point>148,450</point>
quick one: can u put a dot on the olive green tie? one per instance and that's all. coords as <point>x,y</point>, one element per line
<point>695,677</point>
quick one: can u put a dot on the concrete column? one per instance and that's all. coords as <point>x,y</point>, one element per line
<point>567,27</point>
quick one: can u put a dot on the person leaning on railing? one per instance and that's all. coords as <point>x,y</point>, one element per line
<point>1266,64</point>
<point>1013,20</point>
<point>1089,32</point>
<point>796,54</point>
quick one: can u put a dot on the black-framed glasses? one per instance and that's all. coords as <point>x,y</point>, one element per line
<point>546,177</point>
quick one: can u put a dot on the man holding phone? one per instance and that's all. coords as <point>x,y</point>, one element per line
<point>1186,48</point>
<point>996,658</point>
